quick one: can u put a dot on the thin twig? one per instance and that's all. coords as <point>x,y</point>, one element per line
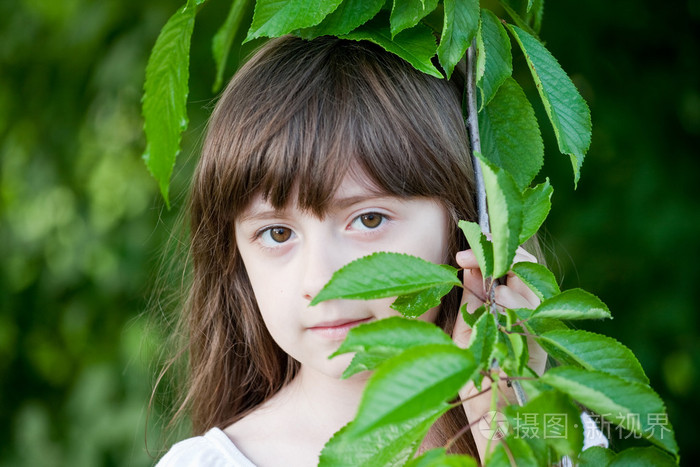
<point>473,128</point>
<point>462,431</point>
<point>517,378</point>
<point>461,401</point>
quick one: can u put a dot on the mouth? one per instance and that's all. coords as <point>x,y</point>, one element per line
<point>336,330</point>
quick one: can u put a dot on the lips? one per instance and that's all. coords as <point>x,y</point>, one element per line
<point>337,329</point>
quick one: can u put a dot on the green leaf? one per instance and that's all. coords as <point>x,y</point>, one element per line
<point>536,15</point>
<point>650,456</point>
<point>538,278</point>
<point>482,248</point>
<point>396,333</point>
<point>510,135</point>
<point>368,361</point>
<point>530,14</point>
<point>483,339</point>
<point>496,56</point>
<point>517,19</point>
<point>480,66</point>
<point>221,43</point>
<point>416,45</point>
<point>438,457</point>
<point>348,16</point>
<point>538,325</point>
<point>505,214</point>
<point>415,304</point>
<point>596,456</point>
<point>551,417</point>
<point>572,304</point>
<point>518,448</point>
<point>537,202</point>
<point>568,112</point>
<point>471,318</point>
<point>461,22</point>
<point>377,341</point>
<point>165,95</point>
<point>517,346</point>
<point>642,457</point>
<point>594,352</point>
<point>274,18</point>
<point>407,13</point>
<point>382,275</point>
<point>393,444</point>
<point>633,406</point>
<point>435,19</point>
<point>411,383</point>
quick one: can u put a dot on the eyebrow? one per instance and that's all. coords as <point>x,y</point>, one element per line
<point>253,214</point>
<point>335,204</point>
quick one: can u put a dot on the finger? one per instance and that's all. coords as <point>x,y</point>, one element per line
<point>474,293</point>
<point>518,286</point>
<point>537,356</point>
<point>521,254</point>
<point>462,333</point>
<point>506,297</point>
<point>472,296</point>
<point>467,259</point>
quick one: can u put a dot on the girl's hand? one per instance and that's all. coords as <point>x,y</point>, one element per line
<point>514,294</point>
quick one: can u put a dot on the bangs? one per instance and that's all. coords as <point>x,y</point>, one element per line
<point>303,115</point>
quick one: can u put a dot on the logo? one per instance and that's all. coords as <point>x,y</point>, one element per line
<point>493,425</point>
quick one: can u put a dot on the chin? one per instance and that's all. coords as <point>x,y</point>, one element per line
<point>338,364</point>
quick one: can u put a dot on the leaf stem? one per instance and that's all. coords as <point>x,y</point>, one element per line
<point>494,408</point>
<point>509,453</point>
<point>524,333</point>
<point>461,401</point>
<point>462,431</point>
<point>510,379</point>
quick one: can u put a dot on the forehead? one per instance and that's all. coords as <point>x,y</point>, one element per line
<point>354,187</point>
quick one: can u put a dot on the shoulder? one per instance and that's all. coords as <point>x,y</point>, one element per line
<point>213,449</point>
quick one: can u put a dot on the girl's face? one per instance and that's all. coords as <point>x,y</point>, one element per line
<point>290,254</point>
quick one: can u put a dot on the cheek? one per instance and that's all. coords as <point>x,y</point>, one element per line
<point>270,294</point>
<point>272,301</point>
<point>429,316</point>
<point>269,279</point>
<point>432,240</point>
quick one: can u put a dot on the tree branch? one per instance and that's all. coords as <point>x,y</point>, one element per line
<point>473,128</point>
<point>472,119</point>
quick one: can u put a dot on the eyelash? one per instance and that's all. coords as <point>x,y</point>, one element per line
<point>366,229</point>
<point>257,236</point>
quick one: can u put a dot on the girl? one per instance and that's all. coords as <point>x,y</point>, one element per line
<point>319,152</point>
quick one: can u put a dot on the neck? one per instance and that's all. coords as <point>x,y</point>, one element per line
<point>327,403</point>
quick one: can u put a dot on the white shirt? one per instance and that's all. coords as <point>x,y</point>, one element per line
<point>213,449</point>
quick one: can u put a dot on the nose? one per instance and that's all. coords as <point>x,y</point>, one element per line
<point>320,260</point>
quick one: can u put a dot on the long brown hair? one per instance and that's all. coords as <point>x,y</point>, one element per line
<point>304,113</point>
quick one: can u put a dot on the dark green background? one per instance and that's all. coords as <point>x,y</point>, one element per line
<point>82,227</point>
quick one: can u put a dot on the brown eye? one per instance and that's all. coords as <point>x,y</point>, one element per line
<point>371,220</point>
<point>280,234</point>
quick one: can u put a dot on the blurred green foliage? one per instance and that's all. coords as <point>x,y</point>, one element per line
<point>78,235</point>
<point>630,232</point>
<point>82,225</point>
